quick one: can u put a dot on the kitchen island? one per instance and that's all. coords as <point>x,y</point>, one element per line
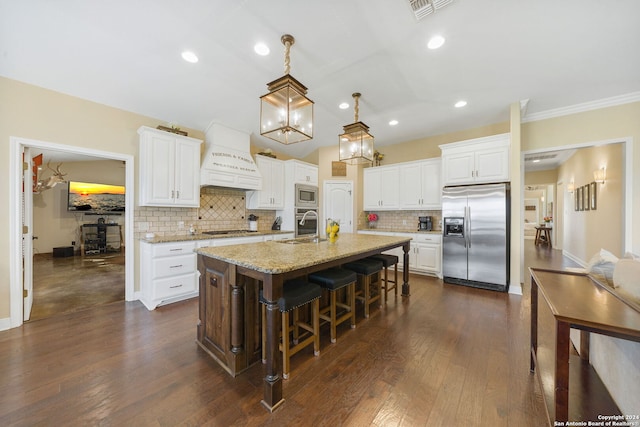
<point>229,325</point>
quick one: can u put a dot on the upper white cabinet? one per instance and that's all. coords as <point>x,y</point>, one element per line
<point>478,160</point>
<point>272,194</point>
<point>420,185</point>
<point>169,169</point>
<point>381,188</point>
<point>303,173</point>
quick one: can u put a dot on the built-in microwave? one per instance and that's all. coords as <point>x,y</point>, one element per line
<point>306,196</point>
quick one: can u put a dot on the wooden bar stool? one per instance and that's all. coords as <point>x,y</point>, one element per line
<point>334,279</point>
<point>388,261</point>
<point>367,270</point>
<point>295,294</point>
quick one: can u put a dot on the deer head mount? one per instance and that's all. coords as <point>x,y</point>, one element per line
<point>56,178</point>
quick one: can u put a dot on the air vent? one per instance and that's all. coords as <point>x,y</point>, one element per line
<point>422,8</point>
<point>540,157</point>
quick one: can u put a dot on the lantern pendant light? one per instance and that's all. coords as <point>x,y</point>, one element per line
<point>356,143</point>
<point>286,114</point>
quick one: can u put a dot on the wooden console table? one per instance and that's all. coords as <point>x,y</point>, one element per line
<point>572,300</point>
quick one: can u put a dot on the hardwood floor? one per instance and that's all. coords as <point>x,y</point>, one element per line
<point>63,285</point>
<point>447,356</point>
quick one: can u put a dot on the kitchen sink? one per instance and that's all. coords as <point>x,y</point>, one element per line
<point>301,240</point>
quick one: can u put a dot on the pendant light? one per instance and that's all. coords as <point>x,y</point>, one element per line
<point>286,114</point>
<point>356,143</point>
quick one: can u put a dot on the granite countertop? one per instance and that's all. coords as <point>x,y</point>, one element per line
<point>400,230</point>
<point>199,236</point>
<point>276,257</point>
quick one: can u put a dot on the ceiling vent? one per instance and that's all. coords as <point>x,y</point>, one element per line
<point>540,157</point>
<point>422,8</point>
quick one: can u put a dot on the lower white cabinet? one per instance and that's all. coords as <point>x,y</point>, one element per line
<point>168,272</point>
<point>425,252</point>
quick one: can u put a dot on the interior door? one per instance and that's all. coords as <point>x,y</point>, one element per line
<point>338,204</point>
<point>27,232</point>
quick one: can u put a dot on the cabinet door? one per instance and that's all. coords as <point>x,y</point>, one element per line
<point>372,190</point>
<point>411,186</point>
<point>389,185</point>
<point>272,194</point>
<point>158,170</point>
<point>187,174</point>
<point>431,185</point>
<point>458,168</point>
<point>277,185</point>
<point>427,257</point>
<point>305,174</point>
<point>492,164</point>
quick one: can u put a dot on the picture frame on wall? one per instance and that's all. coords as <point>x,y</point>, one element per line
<point>580,199</point>
<point>592,194</point>
<point>576,199</point>
<point>587,199</point>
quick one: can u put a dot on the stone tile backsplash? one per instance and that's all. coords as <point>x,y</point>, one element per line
<point>220,209</point>
<point>400,220</point>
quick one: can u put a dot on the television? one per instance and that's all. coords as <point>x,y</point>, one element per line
<point>95,198</point>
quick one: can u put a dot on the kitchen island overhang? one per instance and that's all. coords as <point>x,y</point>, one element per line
<point>229,324</point>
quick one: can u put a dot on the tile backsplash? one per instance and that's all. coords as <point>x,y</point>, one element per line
<point>400,220</point>
<point>220,209</point>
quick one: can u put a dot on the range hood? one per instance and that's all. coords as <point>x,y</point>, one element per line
<point>227,161</point>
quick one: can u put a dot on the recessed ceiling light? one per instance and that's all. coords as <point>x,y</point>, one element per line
<point>261,49</point>
<point>189,56</point>
<point>435,42</point>
<point>460,104</point>
<point>393,122</point>
<point>343,105</point>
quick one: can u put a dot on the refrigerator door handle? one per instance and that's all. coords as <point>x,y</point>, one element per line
<point>468,221</point>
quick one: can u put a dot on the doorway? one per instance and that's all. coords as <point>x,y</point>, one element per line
<point>21,268</point>
<point>338,203</point>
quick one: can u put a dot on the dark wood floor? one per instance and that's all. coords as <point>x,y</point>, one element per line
<point>447,356</point>
<point>64,285</point>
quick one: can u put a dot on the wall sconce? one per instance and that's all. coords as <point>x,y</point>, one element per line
<point>600,175</point>
<point>571,187</point>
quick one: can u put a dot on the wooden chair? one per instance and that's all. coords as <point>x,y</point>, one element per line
<point>296,294</point>
<point>334,279</point>
<point>369,281</point>
<point>388,261</point>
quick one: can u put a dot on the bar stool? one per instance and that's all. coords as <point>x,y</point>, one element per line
<point>334,279</point>
<point>367,269</point>
<point>388,261</point>
<point>295,294</point>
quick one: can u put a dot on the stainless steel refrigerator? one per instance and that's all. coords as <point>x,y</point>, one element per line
<point>475,236</point>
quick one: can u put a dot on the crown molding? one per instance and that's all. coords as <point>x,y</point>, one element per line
<point>585,106</point>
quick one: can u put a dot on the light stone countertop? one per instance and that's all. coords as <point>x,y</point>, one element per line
<point>199,236</point>
<point>276,257</point>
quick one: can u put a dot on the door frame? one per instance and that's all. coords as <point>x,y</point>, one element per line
<point>17,145</point>
<point>328,182</point>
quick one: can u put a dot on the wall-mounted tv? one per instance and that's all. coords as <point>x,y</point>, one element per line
<point>95,198</point>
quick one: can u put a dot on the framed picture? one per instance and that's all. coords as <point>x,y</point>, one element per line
<point>587,199</point>
<point>580,198</point>
<point>592,194</point>
<point>576,199</point>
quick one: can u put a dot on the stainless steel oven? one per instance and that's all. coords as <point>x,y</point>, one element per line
<point>306,196</point>
<point>310,226</point>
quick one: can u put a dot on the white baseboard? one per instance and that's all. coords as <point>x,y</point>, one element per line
<point>574,258</point>
<point>515,289</point>
<point>5,324</point>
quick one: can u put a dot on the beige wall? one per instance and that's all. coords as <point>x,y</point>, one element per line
<point>53,225</point>
<point>541,177</point>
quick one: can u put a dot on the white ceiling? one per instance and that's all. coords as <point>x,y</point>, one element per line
<point>126,54</point>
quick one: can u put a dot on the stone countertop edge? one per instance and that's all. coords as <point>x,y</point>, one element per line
<point>275,257</point>
<point>385,230</point>
<point>198,236</point>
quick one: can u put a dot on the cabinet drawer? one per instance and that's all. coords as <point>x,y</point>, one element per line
<point>428,238</point>
<point>173,286</point>
<point>170,249</point>
<point>183,264</point>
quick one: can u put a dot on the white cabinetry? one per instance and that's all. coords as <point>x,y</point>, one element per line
<point>169,169</point>
<point>381,188</point>
<point>272,194</point>
<point>425,252</point>
<point>303,173</point>
<point>476,161</point>
<point>420,185</point>
<point>168,272</point>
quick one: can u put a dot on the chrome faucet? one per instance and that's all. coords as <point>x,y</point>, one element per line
<point>317,221</point>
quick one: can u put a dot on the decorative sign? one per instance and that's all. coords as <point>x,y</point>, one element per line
<point>338,169</point>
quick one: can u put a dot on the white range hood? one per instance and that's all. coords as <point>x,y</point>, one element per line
<point>227,161</point>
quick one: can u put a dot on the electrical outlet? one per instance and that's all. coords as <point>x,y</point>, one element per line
<point>73,243</point>
<point>180,224</point>
<point>404,222</point>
